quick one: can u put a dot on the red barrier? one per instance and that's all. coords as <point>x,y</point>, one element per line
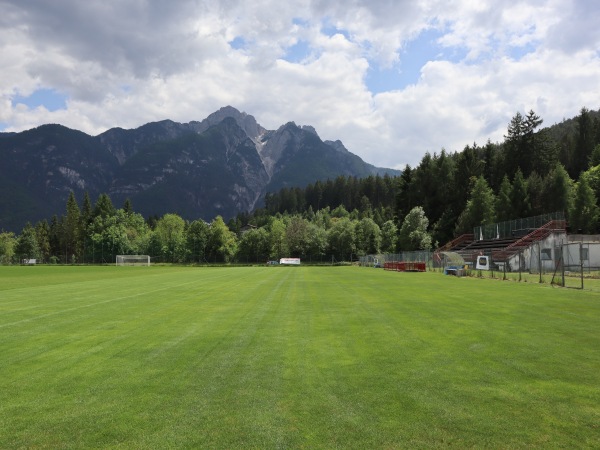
<point>405,266</point>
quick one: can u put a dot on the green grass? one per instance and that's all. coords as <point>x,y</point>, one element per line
<point>591,280</point>
<point>293,357</point>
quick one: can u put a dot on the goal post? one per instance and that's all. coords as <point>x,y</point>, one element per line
<point>132,260</point>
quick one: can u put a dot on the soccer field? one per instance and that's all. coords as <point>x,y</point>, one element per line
<point>289,357</point>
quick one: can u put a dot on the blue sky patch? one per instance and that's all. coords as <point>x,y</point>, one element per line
<point>297,52</point>
<point>301,22</point>
<point>48,98</point>
<point>413,56</point>
<point>517,53</point>
<point>238,43</point>
<point>382,80</point>
<point>331,30</point>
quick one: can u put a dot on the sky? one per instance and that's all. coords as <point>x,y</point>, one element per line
<point>391,79</point>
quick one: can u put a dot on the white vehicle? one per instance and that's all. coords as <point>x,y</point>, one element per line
<point>290,261</point>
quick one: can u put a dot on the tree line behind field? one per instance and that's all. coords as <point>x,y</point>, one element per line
<point>98,234</point>
<point>531,173</point>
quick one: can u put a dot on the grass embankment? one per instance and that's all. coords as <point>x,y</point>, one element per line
<point>293,357</point>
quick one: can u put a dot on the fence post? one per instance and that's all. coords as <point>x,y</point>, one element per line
<point>540,260</point>
<point>581,262</point>
<point>562,261</point>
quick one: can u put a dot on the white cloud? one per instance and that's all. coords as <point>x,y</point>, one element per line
<point>127,63</point>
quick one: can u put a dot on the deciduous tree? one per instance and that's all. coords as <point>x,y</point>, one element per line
<point>7,246</point>
<point>342,238</point>
<point>558,190</point>
<point>413,233</point>
<point>197,240</point>
<point>27,245</point>
<point>254,245</point>
<point>479,209</point>
<point>368,237</point>
<point>169,234</point>
<point>584,215</point>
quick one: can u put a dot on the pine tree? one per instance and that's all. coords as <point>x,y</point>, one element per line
<point>72,232</point>
<point>103,207</point>
<point>535,191</point>
<point>404,201</point>
<point>127,206</point>
<point>42,232</point>
<point>389,236</point>
<point>545,153</point>
<point>504,208</point>
<point>443,175</point>
<point>519,197</point>
<point>469,167</point>
<point>531,142</point>
<point>56,237</point>
<point>513,144</point>
<point>585,140</point>
<point>86,209</point>
<point>595,156</point>
<point>521,145</point>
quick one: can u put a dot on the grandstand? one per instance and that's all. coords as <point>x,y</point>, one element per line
<point>514,245</point>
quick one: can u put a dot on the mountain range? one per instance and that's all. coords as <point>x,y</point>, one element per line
<point>222,165</point>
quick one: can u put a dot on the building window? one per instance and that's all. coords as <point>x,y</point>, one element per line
<point>585,253</point>
<point>546,254</point>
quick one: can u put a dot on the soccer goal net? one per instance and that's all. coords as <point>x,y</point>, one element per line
<point>133,260</point>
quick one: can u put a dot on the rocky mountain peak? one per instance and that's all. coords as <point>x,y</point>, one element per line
<point>310,129</point>
<point>337,144</point>
<point>245,121</point>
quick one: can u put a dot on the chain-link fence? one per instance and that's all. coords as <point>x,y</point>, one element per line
<point>572,264</point>
<point>578,265</point>
<point>515,228</point>
<point>424,256</point>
